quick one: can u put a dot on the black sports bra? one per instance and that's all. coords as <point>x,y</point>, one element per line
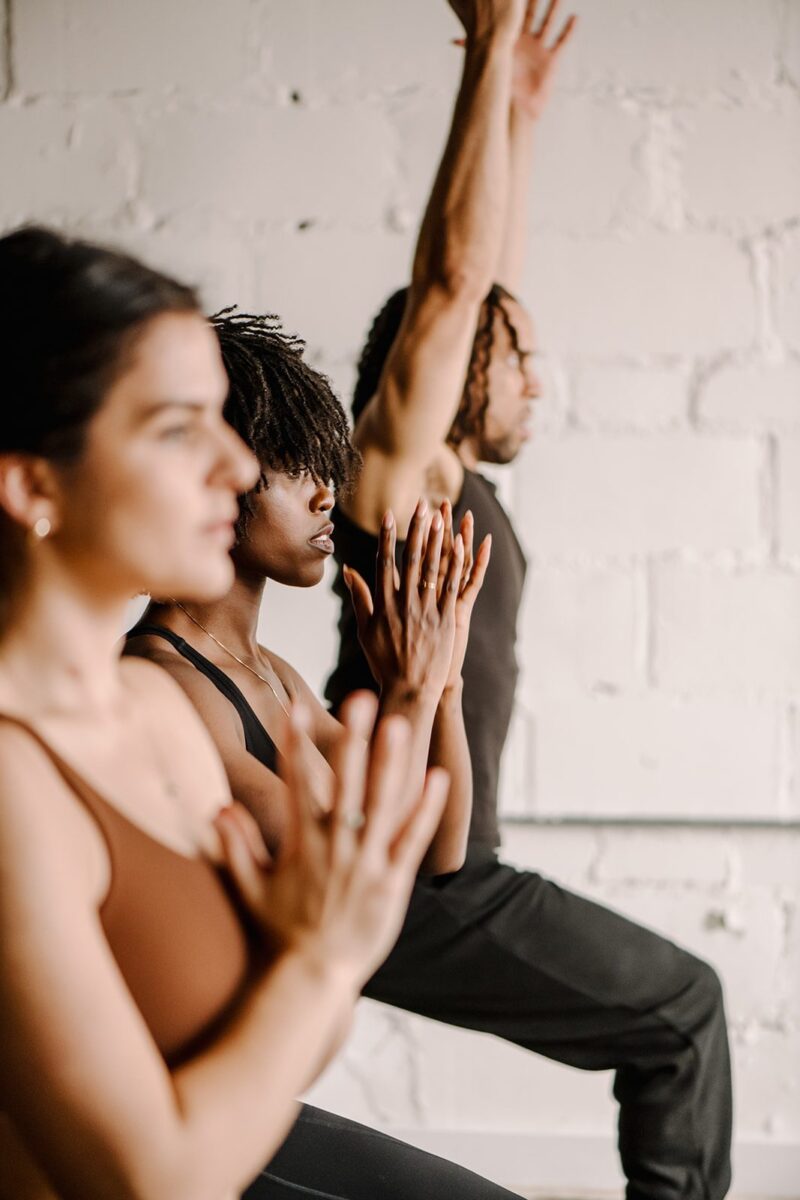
<point>256,739</point>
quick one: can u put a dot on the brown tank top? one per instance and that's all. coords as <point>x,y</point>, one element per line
<point>173,925</point>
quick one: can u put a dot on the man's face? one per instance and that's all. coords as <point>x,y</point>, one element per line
<point>512,385</point>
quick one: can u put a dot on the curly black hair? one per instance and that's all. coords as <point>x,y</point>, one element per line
<point>283,409</point>
<point>475,397</point>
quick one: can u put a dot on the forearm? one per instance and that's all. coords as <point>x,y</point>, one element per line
<point>515,231</point>
<point>449,749</point>
<point>237,1100</point>
<point>461,231</point>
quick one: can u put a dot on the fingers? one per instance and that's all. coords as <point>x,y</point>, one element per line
<point>547,19</point>
<point>349,763</point>
<point>251,831</point>
<point>417,833</point>
<point>358,713</point>
<point>412,556</point>
<point>446,509</point>
<point>468,537</point>
<point>530,14</point>
<point>430,563</point>
<point>360,596</point>
<point>244,868</point>
<point>454,574</point>
<point>386,781</point>
<point>385,567</point>
<point>473,587</point>
<point>566,33</point>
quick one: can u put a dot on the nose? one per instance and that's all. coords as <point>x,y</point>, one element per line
<point>236,466</point>
<point>321,498</point>
<point>533,384</point>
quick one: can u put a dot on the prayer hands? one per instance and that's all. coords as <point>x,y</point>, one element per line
<point>408,632</point>
<point>339,889</point>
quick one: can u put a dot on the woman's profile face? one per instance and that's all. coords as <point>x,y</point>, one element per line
<point>289,537</point>
<point>149,505</point>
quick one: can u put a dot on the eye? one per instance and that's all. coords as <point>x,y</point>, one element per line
<point>177,433</point>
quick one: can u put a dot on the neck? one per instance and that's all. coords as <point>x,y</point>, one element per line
<point>234,619</point>
<point>467,452</point>
<point>60,653</point>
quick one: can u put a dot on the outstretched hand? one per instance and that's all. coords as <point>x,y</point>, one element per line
<point>535,60</point>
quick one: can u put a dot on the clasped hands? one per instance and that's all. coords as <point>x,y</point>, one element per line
<point>414,632</point>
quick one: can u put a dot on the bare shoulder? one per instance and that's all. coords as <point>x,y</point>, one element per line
<point>169,693</point>
<point>45,832</point>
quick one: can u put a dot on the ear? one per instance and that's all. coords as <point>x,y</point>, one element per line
<point>28,490</point>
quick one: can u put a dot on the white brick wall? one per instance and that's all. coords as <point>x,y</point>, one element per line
<point>278,153</point>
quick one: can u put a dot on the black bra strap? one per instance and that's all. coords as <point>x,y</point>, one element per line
<point>257,740</point>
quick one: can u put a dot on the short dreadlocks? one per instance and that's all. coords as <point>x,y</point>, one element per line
<point>475,397</point>
<point>283,409</point>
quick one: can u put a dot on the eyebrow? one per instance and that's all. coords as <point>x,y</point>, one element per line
<point>159,406</point>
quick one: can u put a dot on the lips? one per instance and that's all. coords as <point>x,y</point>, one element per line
<point>323,541</point>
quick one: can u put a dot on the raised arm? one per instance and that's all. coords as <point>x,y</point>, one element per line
<point>407,421</point>
<point>534,68</point>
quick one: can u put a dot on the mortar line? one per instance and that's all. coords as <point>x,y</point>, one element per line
<point>8,40</point>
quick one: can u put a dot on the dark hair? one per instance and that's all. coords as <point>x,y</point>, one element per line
<point>69,314</point>
<point>283,409</point>
<point>475,397</point>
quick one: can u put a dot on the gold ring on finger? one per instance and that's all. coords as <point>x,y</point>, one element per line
<point>426,583</point>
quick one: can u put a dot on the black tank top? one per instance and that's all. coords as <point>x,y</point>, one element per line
<point>256,739</point>
<point>490,667</point>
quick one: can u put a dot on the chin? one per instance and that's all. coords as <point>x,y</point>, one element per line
<point>200,586</point>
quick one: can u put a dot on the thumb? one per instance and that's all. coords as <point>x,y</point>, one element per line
<point>360,596</point>
<point>238,857</point>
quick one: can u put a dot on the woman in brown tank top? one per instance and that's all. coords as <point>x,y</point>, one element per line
<point>165,992</point>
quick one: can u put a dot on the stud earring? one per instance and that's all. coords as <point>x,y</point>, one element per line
<point>42,527</point>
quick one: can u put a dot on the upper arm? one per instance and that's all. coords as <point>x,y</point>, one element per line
<point>82,1079</point>
<point>407,422</point>
<point>325,729</point>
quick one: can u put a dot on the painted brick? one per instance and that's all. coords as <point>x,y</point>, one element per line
<point>625,398</point>
<point>578,631</point>
<point>65,164</point>
<point>286,165</point>
<point>771,858</point>
<point>752,188</point>
<point>647,756</point>
<point>308,47</point>
<point>628,495</point>
<point>722,632</point>
<point>566,853</point>
<point>752,398</point>
<point>790,42</point>
<point>676,46</point>
<point>789,292</point>
<point>586,176</point>
<point>788,496</point>
<point>768,1091</point>
<point>153,45</point>
<point>328,284</point>
<point>654,293</point>
<point>662,857</point>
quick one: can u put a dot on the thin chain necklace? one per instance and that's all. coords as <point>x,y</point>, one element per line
<point>240,661</point>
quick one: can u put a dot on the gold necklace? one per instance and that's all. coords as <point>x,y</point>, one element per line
<point>240,661</point>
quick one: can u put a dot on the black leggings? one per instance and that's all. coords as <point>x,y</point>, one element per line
<point>326,1157</point>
